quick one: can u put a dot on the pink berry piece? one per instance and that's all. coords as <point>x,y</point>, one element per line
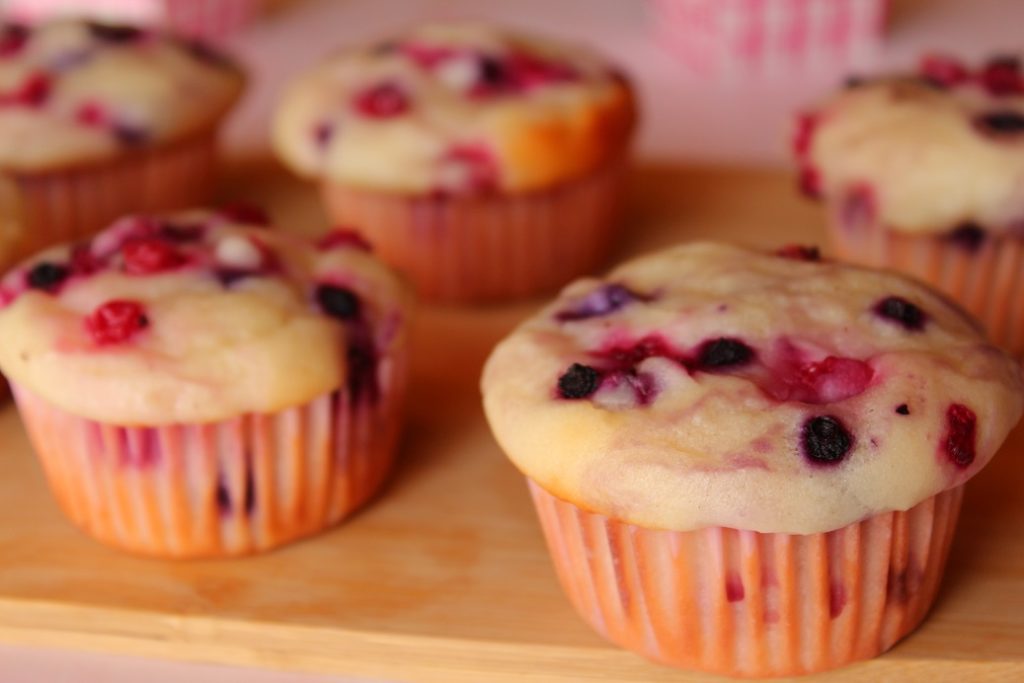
<point>424,55</point>
<point>91,113</point>
<point>799,252</point>
<point>942,71</point>
<point>248,214</point>
<point>343,238</point>
<point>961,431</point>
<point>115,322</point>
<point>33,91</point>
<point>809,182</point>
<point>382,101</point>
<point>149,255</point>
<point>829,380</point>
<point>803,134</point>
<point>1002,76</point>
<point>529,71</point>
<point>470,168</point>
<point>12,39</point>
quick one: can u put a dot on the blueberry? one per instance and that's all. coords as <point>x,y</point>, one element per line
<point>113,33</point>
<point>579,381</point>
<point>903,409</point>
<point>724,352</point>
<point>825,439</point>
<point>492,72</point>
<point>969,236</point>
<point>603,301</point>
<point>901,311</point>
<point>47,276</point>
<point>1001,123</point>
<point>338,302</point>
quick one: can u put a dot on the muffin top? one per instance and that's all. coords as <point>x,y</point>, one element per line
<point>78,91</point>
<point>198,317</point>
<point>937,151</point>
<point>708,385</point>
<point>455,109</point>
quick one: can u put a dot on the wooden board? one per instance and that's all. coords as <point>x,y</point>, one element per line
<point>445,577</point>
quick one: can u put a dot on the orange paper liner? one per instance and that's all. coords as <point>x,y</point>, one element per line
<point>988,281</point>
<point>66,205</point>
<point>226,488</point>
<point>743,603</point>
<point>473,249</point>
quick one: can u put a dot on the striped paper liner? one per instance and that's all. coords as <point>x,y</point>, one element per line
<point>226,488</point>
<point>987,280</point>
<point>736,39</point>
<point>743,603</point>
<point>475,249</point>
<point>43,209</point>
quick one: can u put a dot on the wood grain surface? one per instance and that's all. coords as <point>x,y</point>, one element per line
<point>445,576</point>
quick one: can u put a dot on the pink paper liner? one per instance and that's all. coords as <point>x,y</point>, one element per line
<point>742,38</point>
<point>61,206</point>
<point>473,249</point>
<point>743,603</point>
<point>225,488</point>
<point>988,281</point>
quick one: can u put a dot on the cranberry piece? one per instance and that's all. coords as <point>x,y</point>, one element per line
<point>799,252</point>
<point>33,91</point>
<point>579,381</point>
<point>901,311</point>
<point>809,182</point>
<point>116,321</point>
<point>825,440</point>
<point>600,302</point>
<point>83,262</point>
<point>382,101</point>
<point>12,39</point>
<point>803,134</point>
<point>969,236</point>
<point>903,409</point>
<point>249,214</point>
<point>830,380</point>
<point>1001,123</point>
<point>113,33</point>
<point>180,234</point>
<point>338,302</point>
<point>343,237</point>
<point>943,72</point>
<point>47,276</point>
<point>91,114</point>
<point>626,357</point>
<point>148,255</point>
<point>425,56</point>
<point>724,352</point>
<point>528,71</point>
<point>961,428</point>
<point>1002,76</point>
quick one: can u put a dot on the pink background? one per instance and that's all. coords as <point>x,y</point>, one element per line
<point>686,121</point>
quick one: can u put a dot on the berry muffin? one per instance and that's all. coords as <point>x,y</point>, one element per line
<point>484,164</point>
<point>99,120</point>
<point>925,173</point>
<point>746,463</point>
<point>196,385</point>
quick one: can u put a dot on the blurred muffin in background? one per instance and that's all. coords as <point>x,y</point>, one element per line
<point>924,173</point>
<point>206,19</point>
<point>99,120</point>
<point>483,164</point>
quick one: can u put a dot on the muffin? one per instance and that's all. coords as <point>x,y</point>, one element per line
<point>745,463</point>
<point>482,163</point>
<point>196,385</point>
<point>925,173</point>
<point>97,121</point>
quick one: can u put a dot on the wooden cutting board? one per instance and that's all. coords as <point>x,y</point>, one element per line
<point>445,576</point>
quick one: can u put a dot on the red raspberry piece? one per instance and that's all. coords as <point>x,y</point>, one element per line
<point>116,321</point>
<point>382,101</point>
<point>147,255</point>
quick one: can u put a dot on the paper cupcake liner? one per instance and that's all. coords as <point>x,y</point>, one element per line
<point>987,280</point>
<point>233,487</point>
<point>735,39</point>
<point>744,603</point>
<point>472,249</point>
<point>49,208</point>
